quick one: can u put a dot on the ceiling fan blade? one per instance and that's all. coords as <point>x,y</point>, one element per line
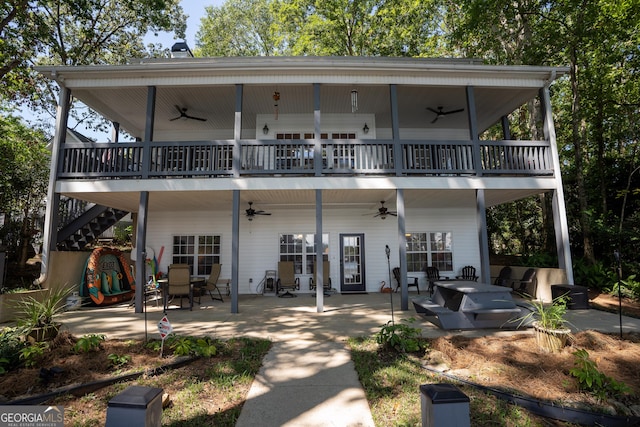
<point>175,118</point>
<point>460,110</point>
<point>433,110</point>
<point>195,118</point>
<point>436,119</point>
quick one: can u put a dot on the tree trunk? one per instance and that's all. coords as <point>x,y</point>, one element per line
<point>577,134</point>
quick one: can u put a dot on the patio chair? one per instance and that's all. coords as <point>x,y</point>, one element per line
<point>287,279</point>
<point>504,277</point>
<point>433,274</point>
<point>211,285</point>
<point>411,281</point>
<point>179,284</point>
<point>468,273</point>
<point>326,279</point>
<point>528,284</point>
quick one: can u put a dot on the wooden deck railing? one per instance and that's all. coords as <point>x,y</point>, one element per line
<point>221,158</point>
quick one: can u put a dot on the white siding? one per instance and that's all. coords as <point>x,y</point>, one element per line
<point>259,239</point>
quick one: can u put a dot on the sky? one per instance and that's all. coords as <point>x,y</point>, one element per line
<point>195,10</point>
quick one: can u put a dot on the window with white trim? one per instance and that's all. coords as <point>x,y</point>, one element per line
<point>200,252</point>
<point>300,248</point>
<point>433,249</point>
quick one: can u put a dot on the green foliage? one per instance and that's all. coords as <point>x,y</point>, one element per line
<point>191,346</point>
<point>592,380</point>
<point>630,288</point>
<point>117,360</point>
<point>42,311</point>
<point>548,316</point>
<point>11,343</point>
<point>400,336</point>
<point>88,343</point>
<point>594,276</point>
<point>31,354</point>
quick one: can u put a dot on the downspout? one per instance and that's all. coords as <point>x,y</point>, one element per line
<point>50,232</point>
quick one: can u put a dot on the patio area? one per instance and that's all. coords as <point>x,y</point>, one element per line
<point>286,319</point>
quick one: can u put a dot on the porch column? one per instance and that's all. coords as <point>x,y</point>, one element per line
<point>148,131</point>
<point>319,279</point>
<point>560,225</point>
<point>317,143</point>
<point>481,210</point>
<point>235,251</point>
<point>402,250</point>
<point>141,255</point>
<point>237,132</point>
<point>395,130</point>
<point>50,232</point>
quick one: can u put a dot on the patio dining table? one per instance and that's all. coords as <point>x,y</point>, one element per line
<point>461,304</point>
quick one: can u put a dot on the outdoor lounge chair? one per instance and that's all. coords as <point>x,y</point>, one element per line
<point>433,274</point>
<point>504,277</point>
<point>287,279</point>
<point>326,279</point>
<point>179,284</point>
<point>528,287</point>
<point>211,285</point>
<point>411,281</point>
<point>468,273</point>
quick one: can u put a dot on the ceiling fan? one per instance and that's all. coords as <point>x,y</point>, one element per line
<point>441,113</point>
<point>383,211</point>
<point>252,212</point>
<point>183,115</point>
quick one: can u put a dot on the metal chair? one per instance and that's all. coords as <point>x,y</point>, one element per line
<point>326,279</point>
<point>287,279</point>
<point>504,277</point>
<point>179,284</point>
<point>468,273</point>
<point>433,274</point>
<point>528,284</point>
<point>411,281</point>
<point>211,285</point>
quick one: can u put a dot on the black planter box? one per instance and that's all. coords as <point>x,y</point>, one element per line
<point>578,295</point>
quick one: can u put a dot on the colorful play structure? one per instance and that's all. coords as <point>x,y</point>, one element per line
<point>107,277</point>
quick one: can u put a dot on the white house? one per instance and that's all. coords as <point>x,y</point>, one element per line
<point>319,143</point>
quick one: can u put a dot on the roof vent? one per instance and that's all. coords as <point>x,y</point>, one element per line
<point>181,50</point>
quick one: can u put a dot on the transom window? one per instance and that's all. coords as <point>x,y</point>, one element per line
<point>200,252</point>
<point>300,248</point>
<point>433,249</point>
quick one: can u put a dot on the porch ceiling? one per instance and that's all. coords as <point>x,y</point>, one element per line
<point>367,200</point>
<point>127,105</point>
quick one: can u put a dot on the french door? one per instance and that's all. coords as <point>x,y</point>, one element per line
<point>352,271</point>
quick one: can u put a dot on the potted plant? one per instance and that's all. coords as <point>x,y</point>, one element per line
<point>38,316</point>
<point>549,323</point>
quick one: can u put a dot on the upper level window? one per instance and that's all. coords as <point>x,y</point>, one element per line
<point>200,252</point>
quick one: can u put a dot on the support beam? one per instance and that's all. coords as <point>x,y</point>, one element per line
<point>148,130</point>
<point>483,237</point>
<point>317,129</point>
<point>235,251</point>
<point>50,232</point>
<point>319,279</point>
<point>402,250</point>
<point>141,255</point>
<point>237,132</point>
<point>560,224</point>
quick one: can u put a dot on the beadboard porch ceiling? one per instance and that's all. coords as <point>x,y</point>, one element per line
<point>364,200</point>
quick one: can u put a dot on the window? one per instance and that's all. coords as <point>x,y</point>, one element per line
<point>200,252</point>
<point>433,249</point>
<point>300,248</point>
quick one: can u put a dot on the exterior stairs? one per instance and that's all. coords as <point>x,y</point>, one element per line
<point>87,227</point>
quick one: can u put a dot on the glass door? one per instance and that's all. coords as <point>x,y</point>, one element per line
<point>352,263</point>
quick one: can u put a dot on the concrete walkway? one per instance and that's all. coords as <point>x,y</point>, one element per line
<point>307,378</point>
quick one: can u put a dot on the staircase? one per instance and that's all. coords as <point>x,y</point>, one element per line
<point>84,229</point>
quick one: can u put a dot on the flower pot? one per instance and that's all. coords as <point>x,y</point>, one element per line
<point>45,333</point>
<point>551,340</point>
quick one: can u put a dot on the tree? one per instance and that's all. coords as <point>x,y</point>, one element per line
<point>237,28</point>
<point>75,32</point>
<point>24,176</point>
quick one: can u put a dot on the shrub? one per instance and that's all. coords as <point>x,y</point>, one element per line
<point>400,336</point>
<point>592,380</point>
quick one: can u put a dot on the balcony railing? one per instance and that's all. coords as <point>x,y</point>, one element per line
<point>186,159</point>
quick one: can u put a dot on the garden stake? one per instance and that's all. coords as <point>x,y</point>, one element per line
<point>388,252</point>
